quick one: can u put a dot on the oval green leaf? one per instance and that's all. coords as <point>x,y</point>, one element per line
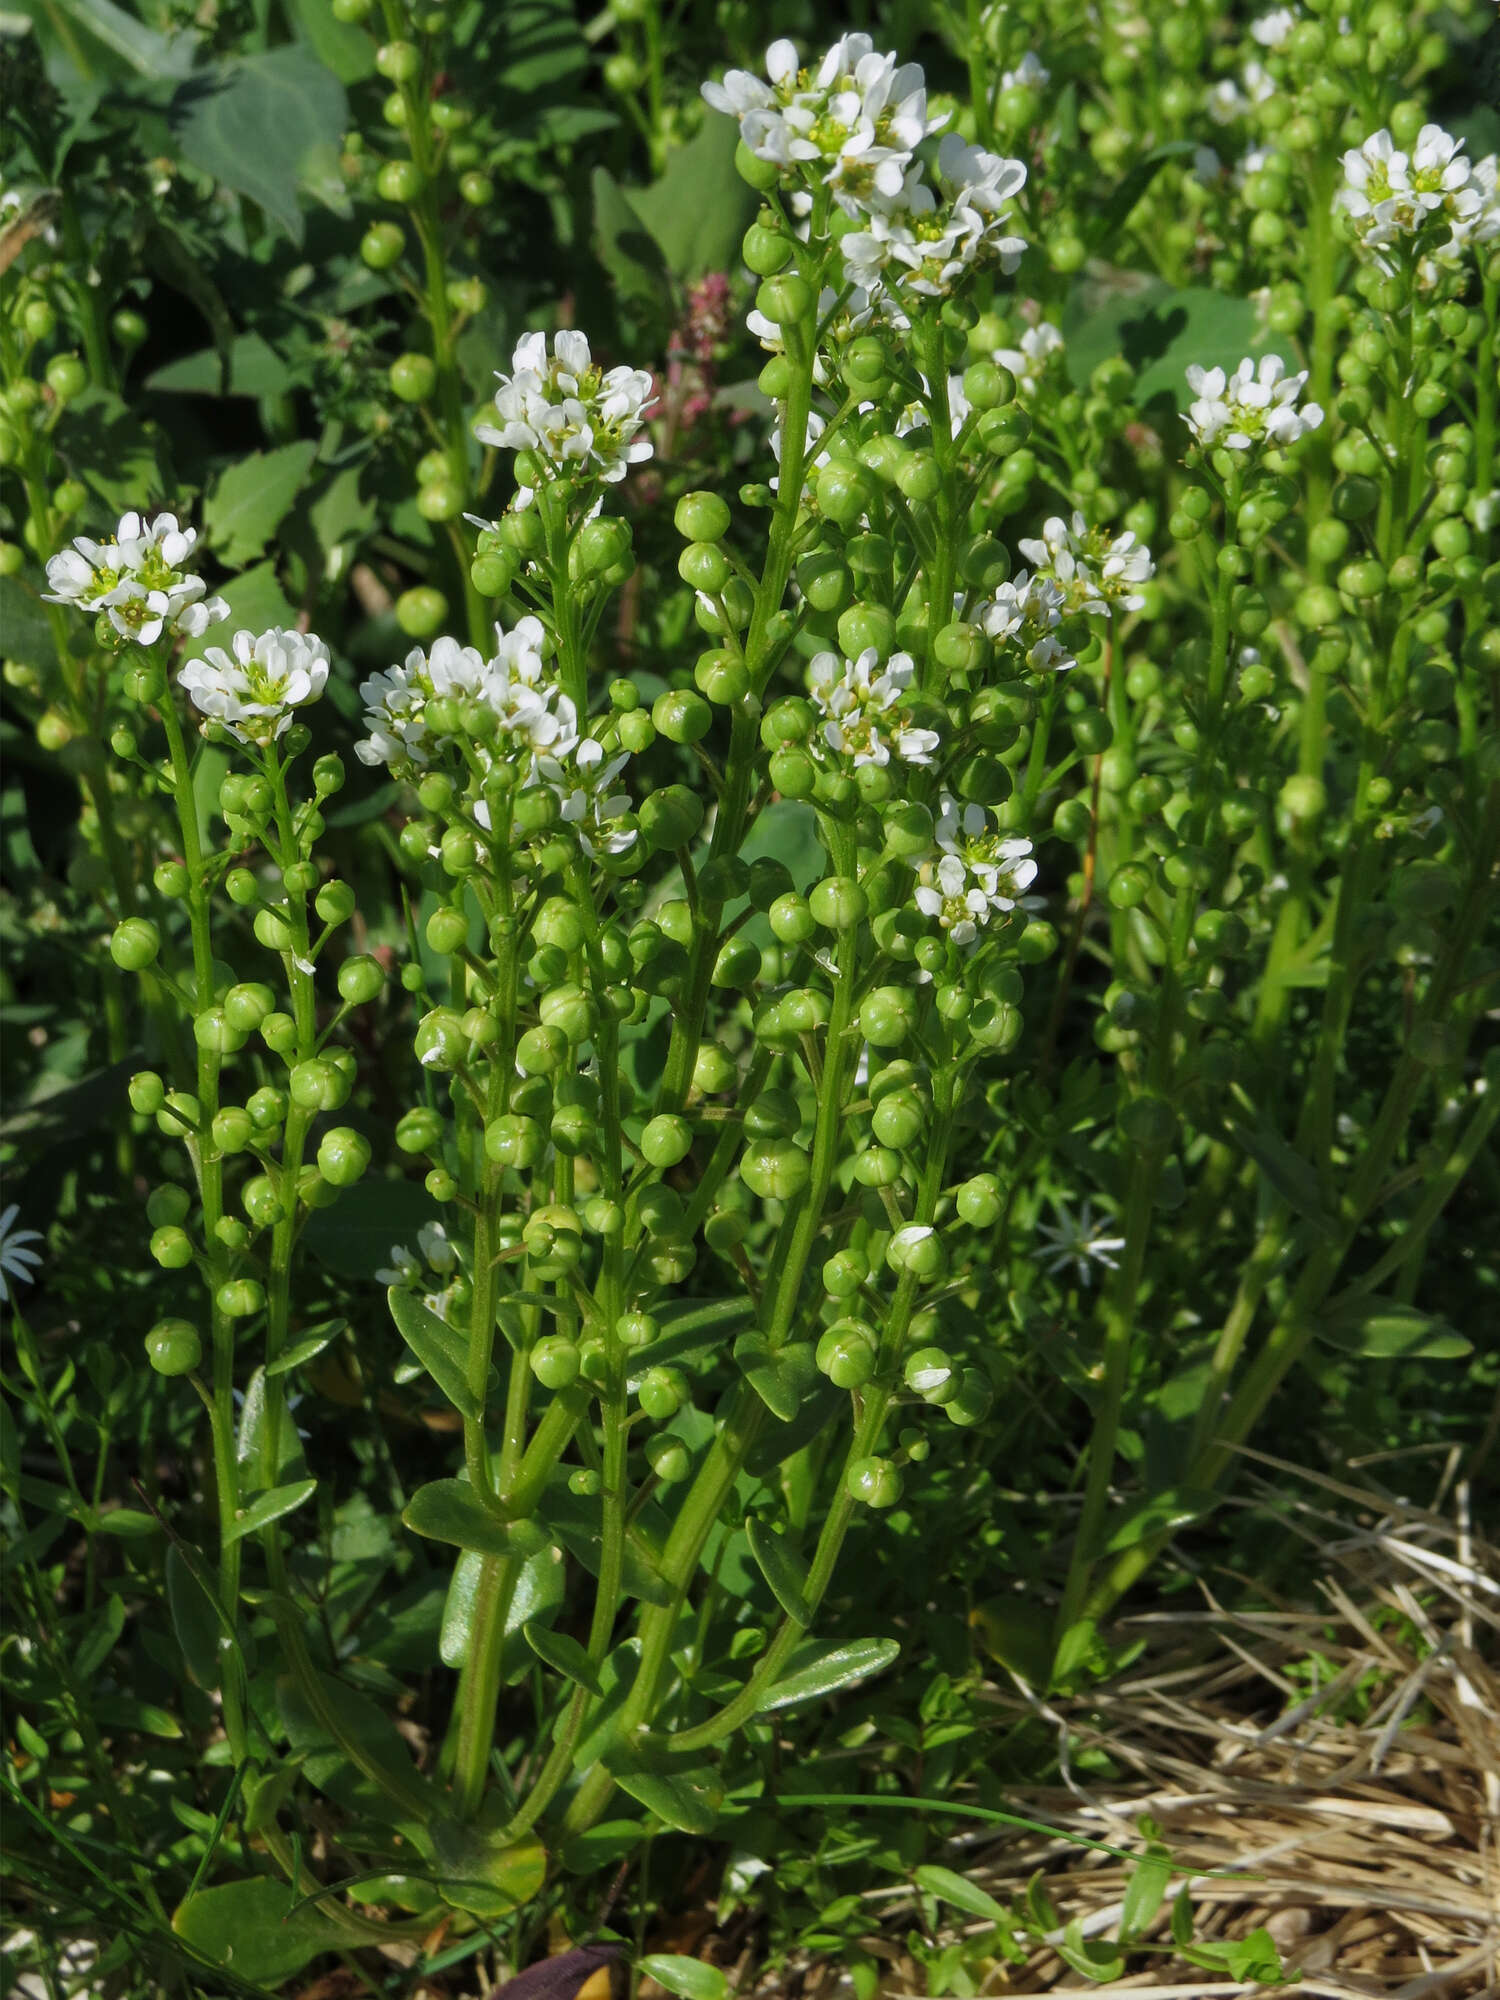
<point>565,1655</point>
<point>689,1978</point>
<point>815,1671</point>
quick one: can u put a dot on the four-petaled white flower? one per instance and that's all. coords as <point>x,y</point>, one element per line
<point>582,783</point>
<point>1094,570</point>
<point>1391,196</point>
<point>866,719</point>
<point>17,1259</point>
<point>1029,362</point>
<point>1229,100</point>
<point>137,580</point>
<point>1030,73</point>
<point>252,689</point>
<point>925,239</point>
<point>583,420</point>
<point>978,873</point>
<point>1251,407</point>
<point>1025,612</point>
<point>531,712</point>
<point>852,125</point>
<point>1273,30</point>
<point>1077,1240</point>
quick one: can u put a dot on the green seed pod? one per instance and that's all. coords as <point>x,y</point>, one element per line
<point>135,944</point>
<point>172,1247</point>
<point>917,1247</point>
<point>887,1015</point>
<point>360,980</point>
<point>971,1405</point>
<point>666,1140</point>
<point>147,1092</point>
<point>267,1108</point>
<point>931,1375</point>
<point>662,1393</point>
<point>241,1298</point>
<point>440,1041</point>
<point>555,1361</point>
<point>669,1458</point>
<point>173,1347</point>
<point>246,1006</point>
<point>877,1167</point>
<point>279,1033</point>
<point>978,1201</point>
<point>231,1129</point>
<point>180,1113</point>
<point>317,1084</point>
<point>775,1169</point>
<point>168,1204</point>
<point>343,1155</point>
<point>875,1481</point>
<point>682,716</point>
<point>670,818</point>
<point>844,1273</point>
<point>636,1330</point>
<point>847,1353</point>
<point>513,1141</point>
<point>898,1119</point>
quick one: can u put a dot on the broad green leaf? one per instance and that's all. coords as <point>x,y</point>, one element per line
<point>782,1568</point>
<point>255,369</point>
<point>1387,1329</point>
<point>573,1521</point>
<point>95,40</point>
<point>129,1524</point>
<point>122,1711</point>
<point>459,1607</point>
<point>782,1379</point>
<point>354,1238</point>
<point>1159,1514</point>
<point>963,1894</point>
<point>251,499</point>
<point>685,1796</point>
<point>268,1507</point>
<point>815,1671</point>
<point>627,249</point>
<point>346,50</point>
<point>1161,331</point>
<point>603,1846</point>
<point>699,207</point>
<point>448,1510</point>
<point>252,122</point>
<point>327,1764</point>
<point>440,1348</point>
<point>1104,221</point>
<point>253,1930</point>
<point>482,1875</point>
<point>25,629</point>
<point>118,457</point>
<point>102,1638</point>
<point>779,1443</point>
<point>787,831</point>
<point>1145,1891</point>
<point>307,1348</point>
<point>557,1650</point>
<point>195,1620</point>
<point>689,1978</point>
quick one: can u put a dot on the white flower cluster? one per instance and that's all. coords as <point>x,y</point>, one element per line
<point>252,689</point>
<point>1251,407</point>
<point>922,244</point>
<point>411,712</point>
<point>583,420</point>
<point>865,717</point>
<point>1229,99</point>
<point>1029,362</point>
<point>1025,612</point>
<point>437,1257</point>
<point>977,875</point>
<point>1095,571</point>
<point>1273,30</point>
<point>532,713</point>
<point>138,580</point>
<point>1391,196</point>
<point>852,126</point>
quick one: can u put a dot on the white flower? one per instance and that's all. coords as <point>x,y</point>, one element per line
<point>1228,100</point>
<point>582,783</point>
<point>561,406</point>
<point>252,689</point>
<point>137,579</point>
<point>1389,195</point>
<point>1251,407</point>
<point>865,718</point>
<point>977,874</point>
<point>851,125</point>
<point>17,1259</point>
<point>1093,571</point>
<point>919,244</point>
<point>1077,1241</point>
<point>440,1253</point>
<point>403,1269</point>
<point>531,712</point>
<point>1272,30</point>
<point>1026,610</point>
<point>1029,74</point>
<point>1028,362</point>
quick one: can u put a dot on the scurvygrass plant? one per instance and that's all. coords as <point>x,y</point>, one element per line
<point>987,953</point>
